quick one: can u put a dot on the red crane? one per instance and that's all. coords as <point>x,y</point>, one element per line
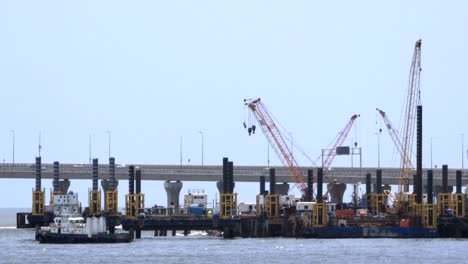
<point>276,140</point>
<point>336,147</point>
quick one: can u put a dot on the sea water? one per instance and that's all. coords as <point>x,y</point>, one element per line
<point>19,246</point>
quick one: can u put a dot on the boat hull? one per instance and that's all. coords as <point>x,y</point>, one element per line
<point>40,220</point>
<point>55,238</point>
<point>370,232</point>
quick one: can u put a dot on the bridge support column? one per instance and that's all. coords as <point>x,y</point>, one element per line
<point>282,188</point>
<point>173,192</point>
<point>219,185</point>
<point>105,187</point>
<point>64,185</point>
<point>95,194</point>
<point>336,192</point>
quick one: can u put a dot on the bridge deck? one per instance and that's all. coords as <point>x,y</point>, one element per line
<point>209,173</point>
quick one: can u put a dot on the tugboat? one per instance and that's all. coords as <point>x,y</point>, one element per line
<point>70,227</point>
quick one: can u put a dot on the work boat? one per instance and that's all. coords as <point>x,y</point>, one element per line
<point>70,227</point>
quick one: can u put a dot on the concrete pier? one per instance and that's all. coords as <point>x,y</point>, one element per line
<point>173,192</point>
<point>282,188</point>
<point>105,185</point>
<point>336,192</point>
<point>108,185</point>
<point>219,185</point>
<point>64,185</point>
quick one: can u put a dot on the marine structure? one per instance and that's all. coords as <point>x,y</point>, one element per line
<point>69,225</point>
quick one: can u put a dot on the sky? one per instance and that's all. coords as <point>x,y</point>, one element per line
<point>155,72</point>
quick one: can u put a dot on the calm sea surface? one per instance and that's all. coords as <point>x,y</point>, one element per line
<point>19,246</point>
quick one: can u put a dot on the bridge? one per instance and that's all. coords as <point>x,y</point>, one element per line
<point>211,173</point>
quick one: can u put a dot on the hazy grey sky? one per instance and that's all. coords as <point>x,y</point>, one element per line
<point>151,72</point>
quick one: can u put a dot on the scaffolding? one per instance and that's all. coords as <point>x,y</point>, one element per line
<point>444,201</point>
<point>429,215</point>
<point>319,215</point>
<point>38,203</point>
<point>228,205</point>
<point>458,204</point>
<point>379,201</point>
<point>272,205</point>
<point>414,208</point>
<point>412,199</point>
<point>111,202</point>
<point>417,211</point>
<point>94,203</point>
<point>134,203</point>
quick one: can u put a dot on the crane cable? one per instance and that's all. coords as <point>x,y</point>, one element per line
<point>285,135</point>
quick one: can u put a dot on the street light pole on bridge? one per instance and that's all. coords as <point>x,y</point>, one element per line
<point>109,137</point>
<point>463,152</point>
<point>378,147</point>
<point>13,139</point>
<point>201,132</point>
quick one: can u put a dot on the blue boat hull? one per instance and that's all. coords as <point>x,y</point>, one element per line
<point>370,232</point>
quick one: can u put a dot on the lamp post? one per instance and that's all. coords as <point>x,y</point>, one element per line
<point>431,156</point>
<point>40,146</point>
<point>201,133</point>
<point>180,146</point>
<point>109,137</point>
<point>431,152</point>
<point>378,147</point>
<point>268,155</point>
<point>13,139</point>
<point>90,149</point>
<point>463,153</point>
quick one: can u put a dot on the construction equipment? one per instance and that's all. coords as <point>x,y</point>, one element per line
<point>404,146</point>
<point>398,145</point>
<point>337,149</point>
<point>412,100</point>
<point>395,137</point>
<point>276,140</point>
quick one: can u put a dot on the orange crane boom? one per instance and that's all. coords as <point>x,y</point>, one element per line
<point>276,140</point>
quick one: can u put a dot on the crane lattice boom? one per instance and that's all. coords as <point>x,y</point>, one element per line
<point>276,140</point>
<point>342,136</point>
<point>395,137</point>
<point>412,100</point>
